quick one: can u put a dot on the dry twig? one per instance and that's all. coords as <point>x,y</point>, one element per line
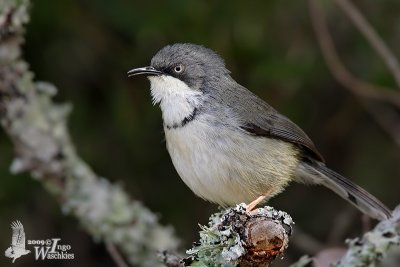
<point>115,255</point>
<point>351,83</point>
<point>372,36</point>
<point>339,71</point>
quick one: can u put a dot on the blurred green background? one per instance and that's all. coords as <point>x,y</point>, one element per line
<point>86,47</point>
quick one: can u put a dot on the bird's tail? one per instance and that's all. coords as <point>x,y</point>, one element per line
<point>317,172</point>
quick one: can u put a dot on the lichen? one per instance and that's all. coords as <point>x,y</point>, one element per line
<point>221,242</point>
<point>373,247</point>
<point>38,129</point>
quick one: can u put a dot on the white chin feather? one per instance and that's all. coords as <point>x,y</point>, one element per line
<point>176,99</point>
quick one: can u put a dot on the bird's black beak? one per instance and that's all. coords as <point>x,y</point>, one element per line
<point>146,70</point>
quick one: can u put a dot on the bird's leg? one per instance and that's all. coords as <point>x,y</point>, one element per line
<point>255,202</point>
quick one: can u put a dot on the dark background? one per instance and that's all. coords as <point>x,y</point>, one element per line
<point>85,48</point>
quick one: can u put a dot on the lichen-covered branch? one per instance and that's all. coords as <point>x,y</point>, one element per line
<point>373,247</point>
<point>43,147</point>
<point>37,128</point>
<point>235,237</point>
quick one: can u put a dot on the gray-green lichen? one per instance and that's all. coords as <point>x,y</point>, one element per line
<point>373,247</point>
<point>38,129</point>
<point>223,241</point>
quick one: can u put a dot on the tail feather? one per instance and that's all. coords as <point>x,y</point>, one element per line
<point>353,193</point>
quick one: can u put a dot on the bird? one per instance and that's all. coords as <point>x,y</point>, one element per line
<point>228,145</point>
<point>17,248</point>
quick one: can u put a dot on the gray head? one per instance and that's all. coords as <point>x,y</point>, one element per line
<point>187,62</point>
<point>181,76</point>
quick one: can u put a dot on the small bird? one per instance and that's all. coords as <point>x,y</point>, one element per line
<point>17,248</point>
<point>227,144</point>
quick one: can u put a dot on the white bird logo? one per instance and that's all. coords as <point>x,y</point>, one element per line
<point>17,248</point>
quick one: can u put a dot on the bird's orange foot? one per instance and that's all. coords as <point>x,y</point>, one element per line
<point>255,202</point>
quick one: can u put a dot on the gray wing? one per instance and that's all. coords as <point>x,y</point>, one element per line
<point>18,235</point>
<point>280,127</point>
<point>260,119</point>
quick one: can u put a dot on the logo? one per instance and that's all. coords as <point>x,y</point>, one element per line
<point>51,249</point>
<point>45,249</point>
<point>17,248</point>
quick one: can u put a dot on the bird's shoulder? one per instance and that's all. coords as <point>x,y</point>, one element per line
<point>258,118</point>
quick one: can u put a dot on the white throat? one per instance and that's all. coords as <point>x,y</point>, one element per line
<point>177,100</point>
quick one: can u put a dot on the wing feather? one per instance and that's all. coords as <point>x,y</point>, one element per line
<point>259,118</point>
<point>280,127</point>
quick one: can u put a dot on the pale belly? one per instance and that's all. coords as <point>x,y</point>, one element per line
<point>229,167</point>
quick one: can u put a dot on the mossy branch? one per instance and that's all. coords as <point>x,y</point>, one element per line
<point>372,249</point>
<point>38,130</point>
<point>235,237</point>
<point>374,246</point>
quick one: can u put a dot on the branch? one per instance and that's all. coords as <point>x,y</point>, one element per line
<point>235,237</point>
<point>115,255</point>
<point>370,250</point>
<point>376,42</point>
<point>37,128</point>
<point>374,246</point>
<point>339,71</point>
<point>387,118</point>
<point>358,87</point>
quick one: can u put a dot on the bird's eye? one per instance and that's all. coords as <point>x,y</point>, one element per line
<point>178,68</point>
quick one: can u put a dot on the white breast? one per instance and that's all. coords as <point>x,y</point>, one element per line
<point>228,166</point>
<point>213,156</point>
